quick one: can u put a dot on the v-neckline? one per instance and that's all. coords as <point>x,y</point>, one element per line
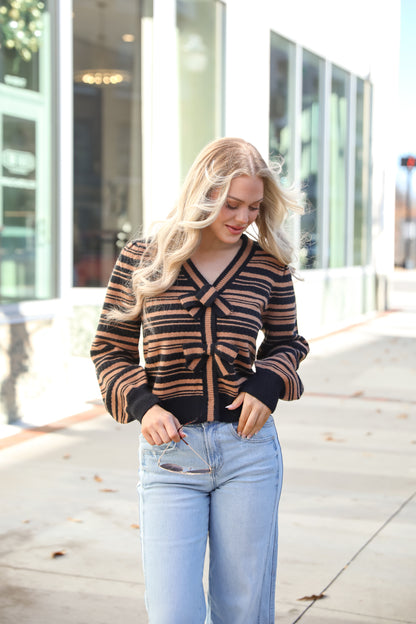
<point>228,273</point>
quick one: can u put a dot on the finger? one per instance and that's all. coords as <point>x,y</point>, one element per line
<point>152,437</point>
<point>237,401</point>
<point>148,437</point>
<point>173,431</point>
<point>253,416</point>
<point>164,435</point>
<point>244,416</point>
<point>156,433</point>
<point>160,427</point>
<point>255,426</point>
<point>250,426</point>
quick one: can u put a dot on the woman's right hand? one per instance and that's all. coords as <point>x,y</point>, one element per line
<point>160,426</point>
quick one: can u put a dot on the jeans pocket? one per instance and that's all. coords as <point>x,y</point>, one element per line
<point>149,454</point>
<point>266,433</point>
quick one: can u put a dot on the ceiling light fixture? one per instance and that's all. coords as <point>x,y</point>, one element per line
<point>98,76</point>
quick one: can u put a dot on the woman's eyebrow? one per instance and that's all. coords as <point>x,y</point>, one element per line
<point>241,201</point>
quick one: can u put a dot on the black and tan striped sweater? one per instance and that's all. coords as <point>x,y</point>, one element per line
<point>199,340</point>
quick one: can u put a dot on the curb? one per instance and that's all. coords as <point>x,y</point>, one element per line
<point>64,423</point>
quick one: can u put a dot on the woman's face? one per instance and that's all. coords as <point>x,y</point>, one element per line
<point>239,211</point>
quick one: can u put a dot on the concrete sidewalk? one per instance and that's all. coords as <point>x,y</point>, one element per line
<point>347,515</point>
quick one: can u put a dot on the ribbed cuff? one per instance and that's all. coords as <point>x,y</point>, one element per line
<point>265,386</point>
<point>139,400</point>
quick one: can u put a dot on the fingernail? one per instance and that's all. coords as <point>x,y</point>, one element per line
<point>228,406</point>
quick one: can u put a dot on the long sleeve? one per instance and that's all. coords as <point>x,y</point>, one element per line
<point>115,349</point>
<point>282,349</point>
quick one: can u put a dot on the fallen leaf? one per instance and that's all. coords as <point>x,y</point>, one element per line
<point>357,394</point>
<point>58,553</point>
<point>403,416</point>
<point>107,490</point>
<point>97,478</point>
<point>135,526</point>
<point>25,521</point>
<point>313,597</point>
<point>67,456</point>
<point>75,520</point>
<point>330,438</point>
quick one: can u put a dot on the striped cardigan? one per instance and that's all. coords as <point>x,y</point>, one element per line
<point>199,340</point>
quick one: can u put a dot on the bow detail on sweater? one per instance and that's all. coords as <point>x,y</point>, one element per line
<point>206,297</point>
<point>224,355</point>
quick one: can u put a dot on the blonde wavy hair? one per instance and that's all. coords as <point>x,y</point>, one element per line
<point>203,194</point>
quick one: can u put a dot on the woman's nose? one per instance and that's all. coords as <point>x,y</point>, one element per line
<point>242,216</point>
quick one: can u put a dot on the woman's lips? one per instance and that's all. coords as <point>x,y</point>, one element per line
<point>235,230</point>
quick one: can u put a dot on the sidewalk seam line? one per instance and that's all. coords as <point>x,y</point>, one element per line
<point>80,576</point>
<point>359,551</point>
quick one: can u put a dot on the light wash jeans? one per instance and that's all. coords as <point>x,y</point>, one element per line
<point>235,505</point>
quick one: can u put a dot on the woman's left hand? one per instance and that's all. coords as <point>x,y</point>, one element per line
<point>253,415</point>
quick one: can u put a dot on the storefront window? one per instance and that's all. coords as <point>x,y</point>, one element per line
<point>22,30</point>
<point>117,125</point>
<point>337,194</point>
<point>338,168</point>
<point>26,263</point>
<point>311,160</point>
<point>201,32</point>
<point>282,106</point>
<point>108,39</point>
<point>362,174</point>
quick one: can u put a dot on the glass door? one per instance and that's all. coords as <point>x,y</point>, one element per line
<point>26,266</point>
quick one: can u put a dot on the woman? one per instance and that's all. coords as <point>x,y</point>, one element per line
<point>210,463</point>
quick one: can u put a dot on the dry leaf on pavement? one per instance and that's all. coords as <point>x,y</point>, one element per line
<point>330,438</point>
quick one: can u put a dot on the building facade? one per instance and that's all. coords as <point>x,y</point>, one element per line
<point>104,106</point>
